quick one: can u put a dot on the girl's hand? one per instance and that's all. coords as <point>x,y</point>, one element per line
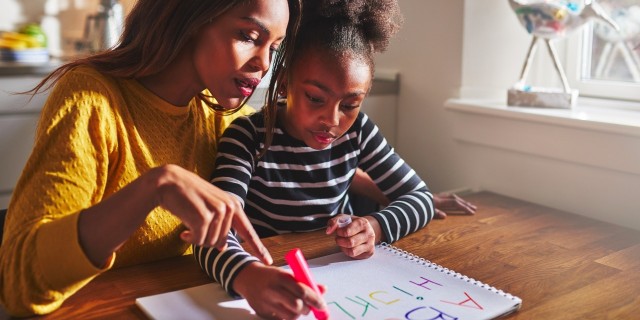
<point>358,239</point>
<point>206,211</point>
<point>274,293</point>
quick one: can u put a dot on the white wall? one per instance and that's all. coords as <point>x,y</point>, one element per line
<point>427,52</point>
<point>495,47</point>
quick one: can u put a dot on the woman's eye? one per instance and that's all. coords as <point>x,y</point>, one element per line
<point>247,37</point>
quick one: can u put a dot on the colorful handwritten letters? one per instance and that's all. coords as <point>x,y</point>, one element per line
<point>411,295</point>
<point>394,285</point>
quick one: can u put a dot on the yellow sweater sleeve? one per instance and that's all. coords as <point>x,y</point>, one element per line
<point>41,260</point>
<point>96,134</point>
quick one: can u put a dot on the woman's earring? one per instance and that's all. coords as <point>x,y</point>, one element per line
<point>283,91</point>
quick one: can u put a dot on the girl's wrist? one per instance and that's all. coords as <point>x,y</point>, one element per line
<point>377,230</point>
<point>243,281</point>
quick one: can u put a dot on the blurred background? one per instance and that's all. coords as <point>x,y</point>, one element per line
<point>64,22</point>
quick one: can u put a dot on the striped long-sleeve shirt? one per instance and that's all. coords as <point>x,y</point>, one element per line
<point>295,188</point>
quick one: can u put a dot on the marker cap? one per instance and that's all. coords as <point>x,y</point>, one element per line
<point>344,221</point>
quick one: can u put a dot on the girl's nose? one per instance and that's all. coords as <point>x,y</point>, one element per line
<point>332,116</point>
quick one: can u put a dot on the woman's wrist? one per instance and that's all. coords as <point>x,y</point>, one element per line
<point>105,226</point>
<point>158,181</point>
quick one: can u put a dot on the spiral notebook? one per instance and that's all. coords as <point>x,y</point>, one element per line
<point>393,284</point>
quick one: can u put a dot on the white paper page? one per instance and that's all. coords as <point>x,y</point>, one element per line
<point>387,285</point>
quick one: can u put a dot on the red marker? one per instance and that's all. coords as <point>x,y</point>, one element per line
<point>301,273</point>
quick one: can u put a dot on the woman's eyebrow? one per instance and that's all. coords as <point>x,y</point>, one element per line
<point>258,23</point>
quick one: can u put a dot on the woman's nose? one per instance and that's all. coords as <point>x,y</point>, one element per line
<point>262,60</point>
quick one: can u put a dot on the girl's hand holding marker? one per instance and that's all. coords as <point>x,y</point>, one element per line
<point>355,235</point>
<point>344,221</point>
<point>338,222</point>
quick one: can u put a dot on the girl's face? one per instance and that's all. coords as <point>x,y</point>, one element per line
<point>234,51</point>
<point>324,95</point>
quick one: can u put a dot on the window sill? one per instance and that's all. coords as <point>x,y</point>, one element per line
<point>587,135</point>
<point>610,116</point>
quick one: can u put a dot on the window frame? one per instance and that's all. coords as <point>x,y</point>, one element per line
<point>574,66</point>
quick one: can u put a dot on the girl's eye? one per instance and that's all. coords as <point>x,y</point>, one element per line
<point>350,107</point>
<point>313,99</point>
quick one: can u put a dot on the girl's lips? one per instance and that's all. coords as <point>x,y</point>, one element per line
<point>323,137</point>
<point>247,85</point>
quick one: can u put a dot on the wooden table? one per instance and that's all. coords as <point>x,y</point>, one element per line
<point>562,266</point>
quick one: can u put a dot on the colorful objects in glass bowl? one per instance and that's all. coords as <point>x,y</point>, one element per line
<point>29,45</point>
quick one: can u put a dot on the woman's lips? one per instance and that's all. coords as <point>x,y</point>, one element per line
<point>247,85</point>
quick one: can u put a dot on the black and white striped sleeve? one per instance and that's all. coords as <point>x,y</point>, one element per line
<point>224,266</point>
<point>233,168</point>
<point>411,206</point>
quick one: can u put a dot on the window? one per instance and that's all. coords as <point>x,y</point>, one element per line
<point>602,62</point>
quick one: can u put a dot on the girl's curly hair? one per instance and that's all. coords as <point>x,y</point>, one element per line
<point>362,26</point>
<point>358,28</point>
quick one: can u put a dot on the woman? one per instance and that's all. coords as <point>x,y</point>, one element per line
<point>125,137</point>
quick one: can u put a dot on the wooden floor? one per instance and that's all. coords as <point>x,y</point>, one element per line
<point>562,266</point>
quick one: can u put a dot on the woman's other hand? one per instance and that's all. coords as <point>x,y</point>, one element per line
<point>450,203</point>
<point>206,211</point>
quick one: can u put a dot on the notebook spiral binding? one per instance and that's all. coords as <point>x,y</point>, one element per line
<point>412,257</point>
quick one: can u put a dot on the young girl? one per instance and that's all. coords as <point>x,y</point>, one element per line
<point>123,144</point>
<point>292,165</point>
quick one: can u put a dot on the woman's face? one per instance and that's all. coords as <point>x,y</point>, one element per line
<point>234,51</point>
<point>324,95</point>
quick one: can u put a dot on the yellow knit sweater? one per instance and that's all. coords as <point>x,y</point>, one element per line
<point>96,134</point>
